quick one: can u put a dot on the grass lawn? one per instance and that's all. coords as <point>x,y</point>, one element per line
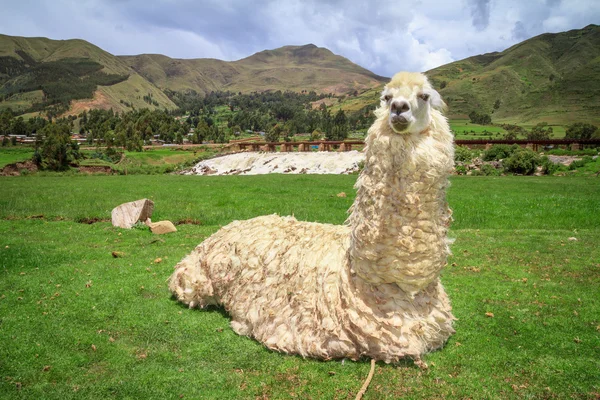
<point>77,323</point>
<point>9,155</point>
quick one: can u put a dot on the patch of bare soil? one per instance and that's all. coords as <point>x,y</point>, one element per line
<point>98,101</point>
<point>92,220</point>
<point>188,221</point>
<point>96,169</point>
<point>16,168</point>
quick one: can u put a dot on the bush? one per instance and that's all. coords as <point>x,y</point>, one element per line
<point>548,167</point>
<point>499,152</point>
<point>460,170</point>
<point>522,161</point>
<point>490,170</point>
<point>566,152</point>
<point>580,163</point>
<point>463,154</point>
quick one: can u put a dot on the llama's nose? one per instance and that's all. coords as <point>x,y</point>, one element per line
<point>400,106</point>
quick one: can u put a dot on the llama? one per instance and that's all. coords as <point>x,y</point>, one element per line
<point>369,288</point>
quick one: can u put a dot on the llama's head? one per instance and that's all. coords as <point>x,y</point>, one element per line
<point>407,103</point>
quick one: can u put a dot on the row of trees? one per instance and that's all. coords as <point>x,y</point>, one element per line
<point>291,112</point>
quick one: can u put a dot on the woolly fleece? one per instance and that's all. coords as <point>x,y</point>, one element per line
<point>368,288</point>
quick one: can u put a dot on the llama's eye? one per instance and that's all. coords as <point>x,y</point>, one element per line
<point>424,96</point>
<point>387,97</point>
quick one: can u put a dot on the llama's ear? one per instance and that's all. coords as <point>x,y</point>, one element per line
<point>436,100</point>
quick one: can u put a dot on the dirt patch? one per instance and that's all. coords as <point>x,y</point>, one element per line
<point>89,221</point>
<point>188,221</point>
<point>15,169</point>
<point>98,101</point>
<point>96,169</point>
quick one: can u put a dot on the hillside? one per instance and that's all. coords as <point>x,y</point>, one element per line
<point>39,74</point>
<point>552,77</point>
<point>294,68</point>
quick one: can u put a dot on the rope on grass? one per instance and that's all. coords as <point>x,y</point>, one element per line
<point>365,385</point>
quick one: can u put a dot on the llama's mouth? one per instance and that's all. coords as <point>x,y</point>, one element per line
<point>399,123</point>
<point>399,127</point>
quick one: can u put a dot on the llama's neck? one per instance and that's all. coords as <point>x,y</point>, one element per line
<point>400,216</point>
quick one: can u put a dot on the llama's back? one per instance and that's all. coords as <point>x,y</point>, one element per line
<point>274,275</point>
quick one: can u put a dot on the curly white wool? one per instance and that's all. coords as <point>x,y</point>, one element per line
<point>368,288</point>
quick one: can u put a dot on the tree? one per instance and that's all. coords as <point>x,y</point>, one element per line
<point>339,127</point>
<point>18,127</point>
<point>272,135</point>
<point>581,130</point>
<point>481,119</point>
<point>55,150</point>
<point>541,131</point>
<point>316,135</point>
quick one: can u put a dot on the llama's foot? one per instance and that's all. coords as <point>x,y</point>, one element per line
<point>191,286</point>
<point>241,328</point>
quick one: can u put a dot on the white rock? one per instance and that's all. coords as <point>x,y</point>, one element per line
<point>128,214</point>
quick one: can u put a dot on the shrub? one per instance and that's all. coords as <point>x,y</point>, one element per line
<point>460,170</point>
<point>566,152</point>
<point>499,152</point>
<point>463,154</point>
<point>490,170</point>
<point>580,163</point>
<point>522,161</point>
<point>548,167</point>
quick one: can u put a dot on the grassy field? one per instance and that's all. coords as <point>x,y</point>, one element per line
<point>9,155</point>
<point>78,323</point>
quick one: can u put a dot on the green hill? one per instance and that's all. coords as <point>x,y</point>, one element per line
<point>551,77</point>
<point>294,68</point>
<point>39,74</point>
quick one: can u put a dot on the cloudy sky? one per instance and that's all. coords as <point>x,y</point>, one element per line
<point>384,36</point>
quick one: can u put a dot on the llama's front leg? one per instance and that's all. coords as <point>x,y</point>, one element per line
<point>190,283</point>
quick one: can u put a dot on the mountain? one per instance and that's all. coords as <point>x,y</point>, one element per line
<point>69,76</point>
<point>552,77</point>
<point>37,74</point>
<point>293,68</point>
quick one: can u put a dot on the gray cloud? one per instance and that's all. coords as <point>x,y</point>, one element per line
<point>480,12</point>
<point>519,32</point>
<point>380,35</point>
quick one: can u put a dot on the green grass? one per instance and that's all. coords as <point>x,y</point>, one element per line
<point>10,154</point>
<point>78,323</point>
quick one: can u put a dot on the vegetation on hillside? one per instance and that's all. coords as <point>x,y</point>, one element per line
<point>291,112</point>
<point>551,77</point>
<point>61,81</point>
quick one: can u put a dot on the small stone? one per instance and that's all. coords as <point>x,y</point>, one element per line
<point>572,239</point>
<point>341,194</point>
<point>162,227</point>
